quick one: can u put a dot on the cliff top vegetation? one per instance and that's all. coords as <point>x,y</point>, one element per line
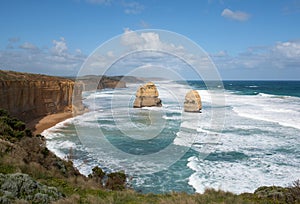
<point>22,76</point>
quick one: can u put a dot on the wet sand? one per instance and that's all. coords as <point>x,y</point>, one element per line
<point>41,124</point>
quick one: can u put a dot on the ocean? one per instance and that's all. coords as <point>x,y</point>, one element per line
<point>249,139</point>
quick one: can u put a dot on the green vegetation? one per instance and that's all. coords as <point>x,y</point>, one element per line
<point>21,152</point>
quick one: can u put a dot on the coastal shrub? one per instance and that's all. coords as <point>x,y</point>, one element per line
<point>3,112</point>
<point>116,181</point>
<point>5,129</point>
<point>295,191</point>
<point>28,133</point>
<point>45,151</point>
<point>19,125</point>
<point>12,129</point>
<point>97,174</point>
<point>6,168</point>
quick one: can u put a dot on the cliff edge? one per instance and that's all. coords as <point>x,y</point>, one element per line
<point>31,96</point>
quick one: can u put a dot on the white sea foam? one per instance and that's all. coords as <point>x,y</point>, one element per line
<point>284,111</point>
<point>239,177</point>
<point>248,132</point>
<point>174,117</point>
<point>53,146</point>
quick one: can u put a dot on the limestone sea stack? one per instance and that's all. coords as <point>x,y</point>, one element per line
<point>147,96</point>
<point>192,102</point>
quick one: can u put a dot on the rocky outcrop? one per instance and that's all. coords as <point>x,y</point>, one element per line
<point>147,96</point>
<point>109,82</point>
<point>30,96</point>
<point>21,186</point>
<point>192,102</point>
<point>93,82</point>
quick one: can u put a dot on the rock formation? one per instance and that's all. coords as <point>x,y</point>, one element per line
<point>147,96</point>
<point>93,82</point>
<point>192,102</point>
<point>30,96</point>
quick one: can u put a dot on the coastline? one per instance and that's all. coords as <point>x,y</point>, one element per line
<point>40,124</point>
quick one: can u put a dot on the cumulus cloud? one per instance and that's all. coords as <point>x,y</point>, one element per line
<point>290,50</point>
<point>28,46</point>
<point>56,60</point>
<point>150,48</point>
<point>60,47</point>
<point>277,58</point>
<point>149,41</point>
<point>235,15</point>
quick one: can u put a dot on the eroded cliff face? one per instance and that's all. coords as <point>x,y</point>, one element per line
<point>28,97</point>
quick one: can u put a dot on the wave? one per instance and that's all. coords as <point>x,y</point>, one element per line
<point>283,110</point>
<point>239,177</point>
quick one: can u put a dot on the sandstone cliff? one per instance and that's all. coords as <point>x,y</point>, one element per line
<point>147,96</point>
<point>93,82</point>
<point>30,96</point>
<point>192,102</point>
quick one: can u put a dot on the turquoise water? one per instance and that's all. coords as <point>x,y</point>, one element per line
<point>249,140</point>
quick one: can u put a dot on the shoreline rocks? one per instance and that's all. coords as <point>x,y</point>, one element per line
<point>147,96</point>
<point>192,102</point>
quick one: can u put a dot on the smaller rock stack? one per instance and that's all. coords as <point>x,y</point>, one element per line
<point>192,102</point>
<point>147,96</point>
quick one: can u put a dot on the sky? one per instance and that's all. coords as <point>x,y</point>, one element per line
<point>246,39</point>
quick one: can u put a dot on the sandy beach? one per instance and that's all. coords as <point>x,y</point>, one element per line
<point>41,124</point>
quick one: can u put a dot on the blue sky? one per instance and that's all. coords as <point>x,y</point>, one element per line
<point>247,39</point>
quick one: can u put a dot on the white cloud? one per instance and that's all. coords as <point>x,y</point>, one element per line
<point>148,41</point>
<point>235,15</point>
<point>11,42</point>
<point>129,7</point>
<point>28,46</point>
<point>288,49</point>
<point>60,46</point>
<point>144,24</point>
<point>13,39</point>
<point>132,7</point>
<point>282,55</point>
<point>56,60</point>
<point>221,53</point>
<point>152,41</point>
<point>100,2</point>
